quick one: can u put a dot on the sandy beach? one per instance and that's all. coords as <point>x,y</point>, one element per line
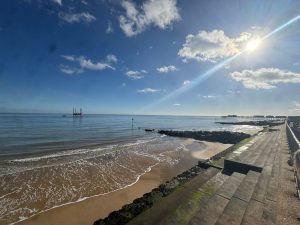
<point>91,209</point>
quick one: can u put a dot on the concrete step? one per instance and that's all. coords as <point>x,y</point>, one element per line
<point>262,159</point>
<point>269,213</point>
<point>263,150</point>
<point>262,210</point>
<point>210,212</point>
<point>233,212</point>
<point>253,213</point>
<point>244,155</point>
<point>246,188</point>
<point>272,188</point>
<point>235,209</point>
<point>250,156</point>
<point>213,208</point>
<point>228,189</point>
<point>260,190</point>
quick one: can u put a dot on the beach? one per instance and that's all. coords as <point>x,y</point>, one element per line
<point>89,174</point>
<point>91,209</point>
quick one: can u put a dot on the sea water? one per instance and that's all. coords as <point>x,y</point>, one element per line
<point>48,160</point>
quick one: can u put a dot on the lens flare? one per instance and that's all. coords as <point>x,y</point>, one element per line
<point>252,45</point>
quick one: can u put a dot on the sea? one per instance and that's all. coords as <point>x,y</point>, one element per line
<point>49,160</point>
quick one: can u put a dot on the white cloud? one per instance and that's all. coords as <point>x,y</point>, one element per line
<point>135,75</point>
<point>87,64</point>
<point>186,82</point>
<point>177,104</point>
<point>167,69</point>
<point>265,78</point>
<point>84,2</point>
<point>209,96</point>
<point>148,90</point>
<point>111,58</point>
<point>77,17</point>
<point>70,70</point>
<point>109,28</point>
<point>160,13</point>
<point>296,64</point>
<point>211,46</point>
<point>123,84</point>
<point>57,1</point>
<point>69,57</point>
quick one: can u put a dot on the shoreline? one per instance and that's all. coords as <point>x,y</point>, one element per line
<point>90,209</point>
<point>86,198</point>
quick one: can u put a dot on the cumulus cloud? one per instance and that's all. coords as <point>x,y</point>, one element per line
<point>265,78</point>
<point>135,75</point>
<point>77,17</point>
<point>186,82</point>
<point>167,69</point>
<point>211,46</point>
<point>160,13</point>
<point>177,104</point>
<point>83,63</point>
<point>148,90</point>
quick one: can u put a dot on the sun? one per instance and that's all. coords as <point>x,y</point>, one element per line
<point>252,45</point>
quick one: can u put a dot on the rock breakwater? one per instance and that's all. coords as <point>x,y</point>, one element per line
<point>225,137</point>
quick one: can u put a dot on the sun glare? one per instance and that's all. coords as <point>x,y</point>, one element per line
<point>253,44</point>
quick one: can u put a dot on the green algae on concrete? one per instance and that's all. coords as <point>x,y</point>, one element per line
<point>187,210</point>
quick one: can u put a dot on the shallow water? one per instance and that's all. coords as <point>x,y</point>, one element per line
<point>49,160</point>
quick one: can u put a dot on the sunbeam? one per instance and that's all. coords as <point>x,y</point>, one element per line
<point>280,28</point>
<point>202,77</point>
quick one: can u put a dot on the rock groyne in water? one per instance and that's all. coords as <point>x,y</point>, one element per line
<point>225,137</point>
<point>139,205</point>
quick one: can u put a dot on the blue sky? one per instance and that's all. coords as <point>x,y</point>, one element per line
<point>149,57</point>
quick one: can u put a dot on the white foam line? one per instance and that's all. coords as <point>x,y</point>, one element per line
<point>61,164</point>
<point>84,198</point>
<point>61,154</point>
<point>80,151</point>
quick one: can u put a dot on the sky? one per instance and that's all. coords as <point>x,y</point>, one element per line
<point>169,57</point>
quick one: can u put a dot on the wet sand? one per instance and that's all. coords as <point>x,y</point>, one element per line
<point>89,210</point>
<point>210,150</point>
